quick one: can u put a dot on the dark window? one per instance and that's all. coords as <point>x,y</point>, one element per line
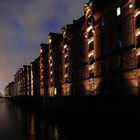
<point>65,41</point>
<point>91,75</point>
<point>66,59</point>
<point>91,47</point>
<point>119,43</point>
<point>138,21</point>
<point>139,61</point>
<point>138,41</point>
<point>89,21</point>
<point>102,22</point>
<point>66,50</point>
<point>103,68</point>
<point>91,59</point>
<point>90,34</point>
<point>66,70</point>
<point>51,68</point>
<point>102,35</point>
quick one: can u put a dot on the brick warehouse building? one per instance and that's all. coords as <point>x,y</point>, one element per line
<point>96,54</point>
<point>55,63</point>
<point>44,66</point>
<point>35,74</point>
<point>22,81</point>
<point>101,49</point>
<point>115,30</point>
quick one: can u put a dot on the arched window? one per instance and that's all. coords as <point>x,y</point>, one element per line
<point>91,47</point>
<point>89,21</point>
<point>66,59</point>
<point>90,34</point>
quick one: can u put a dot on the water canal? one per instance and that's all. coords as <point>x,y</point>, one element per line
<point>18,123</point>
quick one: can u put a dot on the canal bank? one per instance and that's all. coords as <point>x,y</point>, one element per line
<point>81,104</point>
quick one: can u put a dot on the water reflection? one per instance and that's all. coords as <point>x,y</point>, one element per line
<point>17,123</point>
<point>23,124</point>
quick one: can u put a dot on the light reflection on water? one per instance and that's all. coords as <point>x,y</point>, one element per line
<point>20,124</point>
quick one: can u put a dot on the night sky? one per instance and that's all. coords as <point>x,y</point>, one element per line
<point>24,24</point>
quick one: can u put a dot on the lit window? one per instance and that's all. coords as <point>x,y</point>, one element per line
<point>118,11</point>
<point>55,91</point>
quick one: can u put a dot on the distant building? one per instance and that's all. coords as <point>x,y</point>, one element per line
<point>55,63</point>
<point>44,69</point>
<point>35,77</point>
<point>9,89</point>
<point>22,81</point>
<point>19,82</point>
<point>72,49</point>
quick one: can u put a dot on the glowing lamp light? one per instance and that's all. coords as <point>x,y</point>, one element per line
<point>66,75</point>
<point>50,40</point>
<point>66,55</point>
<point>55,92</point>
<point>66,65</point>
<point>41,50</point>
<point>93,31</point>
<point>65,46</point>
<point>130,5</point>
<point>137,13</point>
<point>137,33</point>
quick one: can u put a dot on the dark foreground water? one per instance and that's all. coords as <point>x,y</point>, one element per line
<point>24,124</point>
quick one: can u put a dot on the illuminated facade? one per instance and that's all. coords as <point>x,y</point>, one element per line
<point>66,82</point>
<point>54,70</point>
<point>22,81</point>
<point>44,65</point>
<point>73,58</point>
<point>9,89</point>
<point>113,30</point>
<point>35,77</point>
<point>19,82</point>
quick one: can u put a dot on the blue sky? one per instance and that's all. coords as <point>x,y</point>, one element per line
<point>24,24</point>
